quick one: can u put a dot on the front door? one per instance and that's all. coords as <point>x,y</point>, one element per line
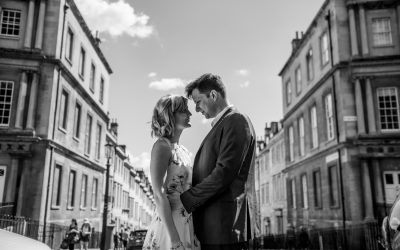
<point>391,180</point>
<point>3,170</point>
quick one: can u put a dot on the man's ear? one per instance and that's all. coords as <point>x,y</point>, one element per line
<point>214,95</point>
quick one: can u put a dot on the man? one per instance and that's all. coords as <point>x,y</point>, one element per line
<point>219,197</point>
<point>86,231</point>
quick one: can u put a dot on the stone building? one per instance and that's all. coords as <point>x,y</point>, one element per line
<point>54,83</point>
<point>341,114</point>
<point>270,181</point>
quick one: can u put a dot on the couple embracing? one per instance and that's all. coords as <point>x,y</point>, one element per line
<point>204,205</point>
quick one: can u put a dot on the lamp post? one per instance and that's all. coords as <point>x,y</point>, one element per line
<point>109,148</point>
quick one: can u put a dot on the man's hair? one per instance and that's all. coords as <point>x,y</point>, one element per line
<point>205,84</point>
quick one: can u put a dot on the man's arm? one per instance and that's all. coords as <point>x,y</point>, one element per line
<point>235,141</point>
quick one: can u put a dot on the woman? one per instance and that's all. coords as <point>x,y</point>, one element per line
<point>73,234</point>
<point>172,227</point>
<point>86,231</point>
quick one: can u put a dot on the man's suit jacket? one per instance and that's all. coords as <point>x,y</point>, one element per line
<point>221,187</point>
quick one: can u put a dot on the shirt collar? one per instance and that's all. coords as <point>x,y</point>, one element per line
<point>220,114</point>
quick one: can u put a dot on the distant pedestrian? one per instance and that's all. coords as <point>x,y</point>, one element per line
<point>125,236</point>
<point>73,234</point>
<point>116,240</point>
<point>290,237</point>
<point>304,240</point>
<point>86,231</point>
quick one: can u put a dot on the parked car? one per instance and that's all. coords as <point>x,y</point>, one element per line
<point>391,227</point>
<point>13,241</point>
<point>136,239</point>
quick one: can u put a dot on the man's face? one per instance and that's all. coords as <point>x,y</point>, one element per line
<point>204,104</point>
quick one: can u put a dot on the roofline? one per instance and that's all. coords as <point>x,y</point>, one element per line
<point>303,39</point>
<point>86,29</point>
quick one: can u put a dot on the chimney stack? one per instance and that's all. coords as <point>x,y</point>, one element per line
<point>114,127</point>
<point>97,38</point>
<point>267,131</point>
<point>295,42</point>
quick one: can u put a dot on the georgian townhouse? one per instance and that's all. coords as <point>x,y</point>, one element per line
<point>341,115</point>
<point>54,84</point>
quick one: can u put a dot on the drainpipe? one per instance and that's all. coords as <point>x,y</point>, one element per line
<point>328,19</point>
<point>66,7</point>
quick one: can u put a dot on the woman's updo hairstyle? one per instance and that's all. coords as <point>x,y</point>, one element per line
<point>163,121</point>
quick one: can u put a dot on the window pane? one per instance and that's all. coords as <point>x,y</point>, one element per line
<point>56,186</point>
<point>6,92</point>
<point>333,186</point>
<point>389,179</point>
<point>71,189</point>
<point>388,108</point>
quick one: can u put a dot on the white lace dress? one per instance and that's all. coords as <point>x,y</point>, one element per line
<point>178,179</point>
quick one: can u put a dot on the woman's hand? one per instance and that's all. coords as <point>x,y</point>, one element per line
<point>177,245</point>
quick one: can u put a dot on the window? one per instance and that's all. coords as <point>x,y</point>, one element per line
<point>301,136</point>
<point>314,127</point>
<point>82,59</point>
<point>288,92</point>
<point>84,191</point>
<point>88,134</point>
<point>77,120</point>
<point>92,77</point>
<point>98,140</point>
<point>292,191</point>
<point>381,31</point>
<point>57,177</point>
<point>69,44</point>
<point>333,186</point>
<point>304,191</point>
<point>324,49</point>
<point>310,65</point>
<point>317,189</point>
<point>10,22</point>
<point>329,116</point>
<point>267,192</point>
<point>94,193</point>
<point>71,189</point>
<point>64,109</point>
<point>262,194</point>
<point>6,93</point>
<point>298,79</point>
<point>101,92</point>
<point>291,144</point>
<point>388,109</point>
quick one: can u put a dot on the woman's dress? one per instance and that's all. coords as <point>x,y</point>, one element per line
<point>178,179</point>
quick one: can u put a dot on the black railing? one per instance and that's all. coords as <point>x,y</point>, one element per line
<point>364,236</point>
<point>51,234</point>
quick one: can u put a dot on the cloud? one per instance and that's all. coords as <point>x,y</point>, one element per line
<point>142,161</point>
<point>242,72</point>
<point>115,18</point>
<point>152,74</point>
<point>245,84</point>
<point>167,84</point>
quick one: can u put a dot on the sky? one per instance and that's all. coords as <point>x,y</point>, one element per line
<point>156,47</point>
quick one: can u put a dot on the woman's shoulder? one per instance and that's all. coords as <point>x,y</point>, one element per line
<point>161,146</point>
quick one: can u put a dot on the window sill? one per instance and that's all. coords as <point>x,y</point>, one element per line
<point>76,139</point>
<point>70,208</point>
<point>334,207</point>
<point>69,61</point>
<point>82,77</point>
<point>91,90</point>
<point>318,208</point>
<point>383,46</point>
<point>62,130</point>
<point>10,37</point>
<point>93,209</point>
<point>82,208</point>
<point>87,154</point>
<point>55,207</point>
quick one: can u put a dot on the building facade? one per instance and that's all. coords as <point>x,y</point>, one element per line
<point>54,99</point>
<point>341,114</point>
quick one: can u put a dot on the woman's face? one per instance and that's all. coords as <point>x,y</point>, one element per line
<point>182,119</point>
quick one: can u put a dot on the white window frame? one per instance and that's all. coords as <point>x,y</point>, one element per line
<point>57,186</point>
<point>288,87</point>
<point>88,133</point>
<point>298,79</point>
<point>6,103</point>
<point>69,44</point>
<point>293,191</point>
<point>301,136</point>
<point>324,48</point>
<point>310,65</point>
<point>291,144</point>
<point>99,129</point>
<point>304,191</point>
<point>92,82</point>
<point>329,117</point>
<point>84,186</point>
<point>71,189</point>
<point>381,32</point>
<point>383,92</point>
<point>101,90</point>
<point>82,62</point>
<point>64,110</point>
<point>314,127</point>
<point>14,25</point>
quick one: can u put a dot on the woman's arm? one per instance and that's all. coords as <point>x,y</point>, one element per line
<point>160,158</point>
